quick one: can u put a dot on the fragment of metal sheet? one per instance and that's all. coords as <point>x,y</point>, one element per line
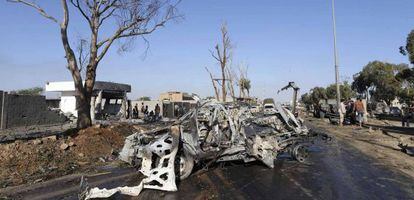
<point>291,116</point>
<point>95,193</point>
<point>263,148</point>
<point>287,116</point>
<point>159,175</point>
<point>280,110</point>
<point>127,152</point>
<point>232,154</point>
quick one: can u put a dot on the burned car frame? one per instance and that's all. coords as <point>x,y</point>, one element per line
<point>212,132</point>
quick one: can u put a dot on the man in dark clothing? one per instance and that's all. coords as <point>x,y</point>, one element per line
<point>142,108</point>
<point>146,110</point>
<point>135,112</point>
<point>405,116</point>
<point>157,110</point>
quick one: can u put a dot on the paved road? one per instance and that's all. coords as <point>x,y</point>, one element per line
<point>335,171</point>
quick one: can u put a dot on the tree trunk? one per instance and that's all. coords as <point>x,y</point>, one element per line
<point>83,98</point>
<point>223,83</point>
<point>216,92</point>
<point>84,111</point>
<point>240,90</point>
<point>230,85</point>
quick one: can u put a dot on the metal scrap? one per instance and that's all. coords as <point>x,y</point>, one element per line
<point>214,132</point>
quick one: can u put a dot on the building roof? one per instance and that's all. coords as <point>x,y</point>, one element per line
<point>102,85</point>
<point>62,86</point>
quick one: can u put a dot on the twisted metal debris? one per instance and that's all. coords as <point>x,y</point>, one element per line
<point>212,132</point>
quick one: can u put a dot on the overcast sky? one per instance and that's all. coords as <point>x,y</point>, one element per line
<point>280,40</point>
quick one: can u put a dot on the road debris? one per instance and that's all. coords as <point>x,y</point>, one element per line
<point>64,146</point>
<point>406,149</point>
<point>212,132</point>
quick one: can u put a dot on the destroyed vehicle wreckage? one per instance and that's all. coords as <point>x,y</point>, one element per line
<point>212,132</point>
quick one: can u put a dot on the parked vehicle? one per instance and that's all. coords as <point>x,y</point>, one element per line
<point>269,107</point>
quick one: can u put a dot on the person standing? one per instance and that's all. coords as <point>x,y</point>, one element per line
<point>135,112</point>
<point>405,116</point>
<point>342,112</point>
<point>359,111</point>
<point>157,110</point>
<point>176,110</point>
<point>146,110</point>
<point>142,109</point>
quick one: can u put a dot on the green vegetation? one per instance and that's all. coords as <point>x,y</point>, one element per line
<point>379,80</point>
<point>144,99</point>
<point>29,91</point>
<point>314,95</point>
<point>345,90</point>
<point>245,85</point>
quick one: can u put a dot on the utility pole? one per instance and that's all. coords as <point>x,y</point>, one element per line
<point>338,93</point>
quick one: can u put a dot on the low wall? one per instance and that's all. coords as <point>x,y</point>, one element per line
<point>27,110</point>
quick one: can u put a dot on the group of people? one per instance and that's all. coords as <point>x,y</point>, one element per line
<point>145,111</point>
<point>351,111</point>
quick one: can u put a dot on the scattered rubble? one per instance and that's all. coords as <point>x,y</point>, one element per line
<point>37,141</point>
<point>41,159</point>
<point>406,149</point>
<point>212,132</point>
<point>64,146</point>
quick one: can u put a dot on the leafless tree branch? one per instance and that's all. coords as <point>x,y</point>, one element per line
<point>216,92</point>
<point>77,5</point>
<point>136,27</point>
<point>37,7</point>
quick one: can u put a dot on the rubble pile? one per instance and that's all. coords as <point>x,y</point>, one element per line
<point>212,132</point>
<point>28,161</point>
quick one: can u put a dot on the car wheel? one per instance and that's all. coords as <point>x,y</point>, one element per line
<point>185,165</point>
<point>299,153</point>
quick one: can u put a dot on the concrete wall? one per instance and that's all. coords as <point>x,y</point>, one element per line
<point>171,96</point>
<point>27,110</point>
<point>170,108</point>
<point>2,115</point>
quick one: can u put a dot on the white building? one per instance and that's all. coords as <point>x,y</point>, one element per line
<point>108,98</point>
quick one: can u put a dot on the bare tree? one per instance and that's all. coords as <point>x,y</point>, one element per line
<point>223,55</point>
<point>231,76</point>
<point>129,19</point>
<point>83,54</point>
<point>213,81</point>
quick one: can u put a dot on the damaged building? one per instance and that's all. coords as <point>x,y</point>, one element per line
<point>108,99</point>
<point>175,104</point>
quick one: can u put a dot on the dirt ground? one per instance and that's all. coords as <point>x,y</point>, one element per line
<point>373,143</point>
<point>86,151</point>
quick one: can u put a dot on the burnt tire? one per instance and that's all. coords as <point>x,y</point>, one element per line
<point>300,153</point>
<point>185,165</point>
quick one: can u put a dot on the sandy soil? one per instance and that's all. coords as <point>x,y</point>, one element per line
<point>42,159</point>
<point>375,144</point>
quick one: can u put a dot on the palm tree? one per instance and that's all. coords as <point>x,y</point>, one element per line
<point>245,85</point>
